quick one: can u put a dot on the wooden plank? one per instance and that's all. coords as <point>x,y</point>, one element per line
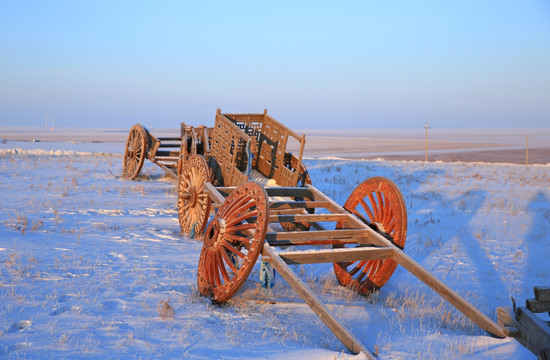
<point>299,204</point>
<point>320,234</point>
<point>296,211</point>
<point>542,293</point>
<point>289,191</point>
<point>169,154</point>
<point>170,145</point>
<point>308,218</point>
<point>166,158</point>
<point>336,255</point>
<point>169,139</point>
<point>349,341</point>
<point>507,320</point>
<point>538,332</point>
<point>310,242</point>
<point>537,306</point>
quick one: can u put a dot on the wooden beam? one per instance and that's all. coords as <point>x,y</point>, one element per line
<point>289,191</point>
<point>327,242</point>
<point>308,217</point>
<point>538,332</point>
<point>298,204</point>
<point>335,255</point>
<point>537,306</point>
<point>542,293</point>
<point>359,234</point>
<point>349,341</point>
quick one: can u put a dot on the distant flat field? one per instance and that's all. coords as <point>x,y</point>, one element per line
<point>479,145</point>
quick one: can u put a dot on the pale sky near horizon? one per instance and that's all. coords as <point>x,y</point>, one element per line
<point>312,64</point>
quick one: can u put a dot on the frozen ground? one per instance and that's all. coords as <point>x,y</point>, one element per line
<point>86,257</point>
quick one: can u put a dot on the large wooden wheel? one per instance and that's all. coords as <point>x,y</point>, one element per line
<point>193,202</point>
<point>134,153</point>
<point>379,203</point>
<point>232,242</point>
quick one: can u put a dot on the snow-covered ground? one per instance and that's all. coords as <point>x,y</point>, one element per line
<point>86,258</point>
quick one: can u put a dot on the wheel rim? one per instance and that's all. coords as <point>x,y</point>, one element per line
<point>232,242</point>
<point>193,202</point>
<point>134,153</point>
<point>379,203</point>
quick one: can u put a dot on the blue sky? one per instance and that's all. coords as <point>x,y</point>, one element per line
<point>347,64</point>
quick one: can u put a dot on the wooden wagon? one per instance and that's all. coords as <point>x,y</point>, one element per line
<point>281,209</point>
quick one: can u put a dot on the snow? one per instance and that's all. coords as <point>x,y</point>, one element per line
<point>86,258</point>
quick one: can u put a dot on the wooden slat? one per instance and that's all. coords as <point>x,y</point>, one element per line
<point>311,242</point>
<point>289,191</point>
<point>298,204</point>
<point>169,145</point>
<point>538,332</point>
<point>537,306</point>
<point>169,139</point>
<point>162,153</point>
<point>321,234</point>
<point>542,293</point>
<point>167,158</point>
<point>336,255</point>
<point>308,217</point>
<point>349,341</point>
<point>297,211</point>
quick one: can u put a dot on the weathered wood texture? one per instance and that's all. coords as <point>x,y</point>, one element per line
<point>537,306</point>
<point>336,255</point>
<point>542,293</point>
<point>269,142</point>
<point>527,328</point>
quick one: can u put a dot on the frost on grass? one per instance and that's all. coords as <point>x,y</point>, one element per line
<point>94,265</point>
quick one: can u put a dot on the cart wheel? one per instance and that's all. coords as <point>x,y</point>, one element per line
<point>232,242</point>
<point>193,202</point>
<point>379,203</point>
<point>134,153</point>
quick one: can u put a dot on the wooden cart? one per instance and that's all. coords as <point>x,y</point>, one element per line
<point>281,209</point>
<point>166,152</point>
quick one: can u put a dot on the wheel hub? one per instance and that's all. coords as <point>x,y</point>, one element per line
<point>192,191</point>
<point>214,233</point>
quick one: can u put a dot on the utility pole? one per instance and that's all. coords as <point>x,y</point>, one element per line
<point>426,142</point>
<point>526,149</point>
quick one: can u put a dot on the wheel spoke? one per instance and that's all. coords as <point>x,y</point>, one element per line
<point>242,227</point>
<point>241,239</point>
<point>367,210</point>
<point>242,218</point>
<point>233,250</point>
<point>228,260</point>
<point>221,265</point>
<point>387,208</point>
